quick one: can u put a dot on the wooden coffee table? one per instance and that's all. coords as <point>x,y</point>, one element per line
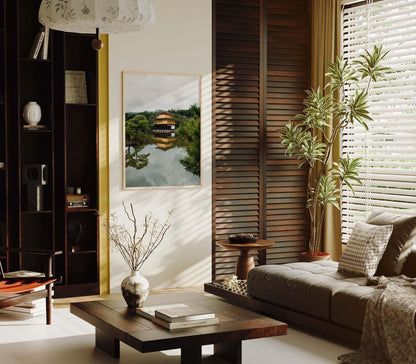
<point>114,322</point>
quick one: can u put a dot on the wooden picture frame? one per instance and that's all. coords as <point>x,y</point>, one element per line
<point>161,130</point>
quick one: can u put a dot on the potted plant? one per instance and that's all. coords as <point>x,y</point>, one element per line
<point>136,248</point>
<point>311,140</point>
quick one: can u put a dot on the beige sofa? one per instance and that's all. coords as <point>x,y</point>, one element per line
<point>321,297</point>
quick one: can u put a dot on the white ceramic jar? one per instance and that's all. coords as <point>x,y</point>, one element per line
<point>32,113</point>
<point>135,289</point>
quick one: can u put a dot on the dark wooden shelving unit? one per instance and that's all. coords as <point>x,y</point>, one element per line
<point>68,146</point>
<point>3,136</point>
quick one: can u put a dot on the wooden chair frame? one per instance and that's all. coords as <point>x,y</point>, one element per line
<point>21,289</point>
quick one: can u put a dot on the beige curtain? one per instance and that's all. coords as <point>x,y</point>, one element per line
<point>326,18</point>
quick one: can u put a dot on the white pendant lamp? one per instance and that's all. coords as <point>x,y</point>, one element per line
<point>93,16</point>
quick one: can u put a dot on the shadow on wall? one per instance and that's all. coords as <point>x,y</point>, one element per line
<point>183,259</point>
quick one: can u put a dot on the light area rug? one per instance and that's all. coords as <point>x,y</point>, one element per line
<point>70,340</point>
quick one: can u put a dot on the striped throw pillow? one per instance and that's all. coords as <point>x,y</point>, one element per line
<point>365,248</point>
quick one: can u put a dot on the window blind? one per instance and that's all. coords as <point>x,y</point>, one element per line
<point>388,149</point>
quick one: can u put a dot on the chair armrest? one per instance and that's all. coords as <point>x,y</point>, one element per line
<point>48,254</point>
<point>32,251</point>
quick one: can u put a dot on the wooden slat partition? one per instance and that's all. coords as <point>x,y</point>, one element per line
<point>287,78</point>
<point>260,72</point>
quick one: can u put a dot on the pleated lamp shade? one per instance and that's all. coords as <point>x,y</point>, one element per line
<point>91,16</point>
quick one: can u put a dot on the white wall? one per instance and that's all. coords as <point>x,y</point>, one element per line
<point>179,42</point>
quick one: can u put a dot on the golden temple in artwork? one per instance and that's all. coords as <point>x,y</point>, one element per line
<point>164,122</point>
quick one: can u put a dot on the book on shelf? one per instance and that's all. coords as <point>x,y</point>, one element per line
<point>36,45</point>
<point>45,44</point>
<point>23,274</point>
<point>41,302</point>
<point>185,324</point>
<point>31,311</point>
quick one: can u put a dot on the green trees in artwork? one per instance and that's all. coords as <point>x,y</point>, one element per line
<point>134,158</point>
<point>138,134</point>
<point>136,125</point>
<point>190,131</point>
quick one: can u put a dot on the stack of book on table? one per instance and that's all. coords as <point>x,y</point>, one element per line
<point>179,316</point>
<point>30,308</point>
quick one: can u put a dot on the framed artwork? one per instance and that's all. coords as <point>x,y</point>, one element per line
<point>75,87</point>
<point>162,130</point>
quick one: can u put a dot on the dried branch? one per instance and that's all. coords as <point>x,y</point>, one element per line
<point>134,250</point>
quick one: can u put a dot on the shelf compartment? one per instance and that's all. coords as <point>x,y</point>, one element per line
<point>28,24</point>
<point>82,60</point>
<point>82,232</point>
<point>36,85</point>
<point>82,268</point>
<point>81,153</point>
<point>36,148</point>
<point>36,233</point>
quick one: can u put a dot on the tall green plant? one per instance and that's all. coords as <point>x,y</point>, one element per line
<point>311,140</point>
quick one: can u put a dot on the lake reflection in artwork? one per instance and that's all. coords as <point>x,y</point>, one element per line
<point>161,130</point>
<point>163,167</point>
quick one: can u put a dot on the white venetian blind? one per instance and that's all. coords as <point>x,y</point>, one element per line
<point>388,149</point>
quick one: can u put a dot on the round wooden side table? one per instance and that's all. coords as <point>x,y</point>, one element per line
<point>245,261</point>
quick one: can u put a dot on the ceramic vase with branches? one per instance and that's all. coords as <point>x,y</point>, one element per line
<point>136,247</point>
<point>312,139</point>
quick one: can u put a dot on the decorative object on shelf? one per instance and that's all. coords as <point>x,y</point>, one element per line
<point>75,231</point>
<point>135,250</point>
<point>32,113</point>
<point>35,176</point>
<point>239,287</point>
<point>78,200</point>
<point>242,238</point>
<point>75,87</point>
<point>308,143</point>
<point>231,282</point>
<point>105,16</point>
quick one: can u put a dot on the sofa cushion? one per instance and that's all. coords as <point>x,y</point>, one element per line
<point>348,306</point>
<point>365,248</point>
<point>401,240</point>
<point>304,287</point>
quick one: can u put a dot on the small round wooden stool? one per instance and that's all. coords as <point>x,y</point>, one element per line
<point>245,261</point>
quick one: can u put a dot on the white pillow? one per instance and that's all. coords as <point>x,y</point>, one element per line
<point>365,248</point>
